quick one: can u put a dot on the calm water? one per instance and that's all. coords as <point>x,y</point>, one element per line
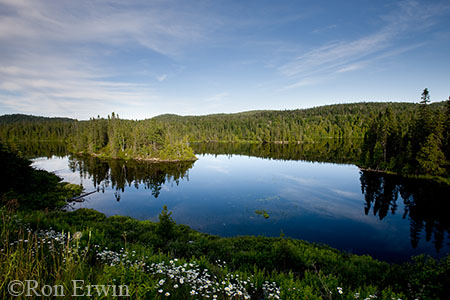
<point>335,204</point>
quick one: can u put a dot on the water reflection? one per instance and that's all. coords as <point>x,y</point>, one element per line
<point>33,149</point>
<point>324,150</point>
<point>425,204</point>
<point>320,202</point>
<point>118,174</point>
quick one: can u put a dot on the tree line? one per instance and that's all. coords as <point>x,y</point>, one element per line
<point>399,137</point>
<point>286,126</point>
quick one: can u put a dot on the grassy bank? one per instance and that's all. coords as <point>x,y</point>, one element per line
<point>152,259</point>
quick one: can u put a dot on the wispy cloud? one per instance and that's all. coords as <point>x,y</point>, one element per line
<point>162,77</point>
<point>150,24</point>
<point>54,54</point>
<point>303,82</point>
<point>217,98</point>
<point>324,29</point>
<point>322,63</point>
<point>59,86</point>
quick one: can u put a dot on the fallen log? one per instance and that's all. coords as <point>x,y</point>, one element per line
<point>80,198</point>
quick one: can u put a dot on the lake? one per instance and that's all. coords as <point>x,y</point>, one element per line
<point>280,191</point>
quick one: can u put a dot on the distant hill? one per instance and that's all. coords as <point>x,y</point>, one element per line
<point>329,121</point>
<point>19,118</point>
<point>335,109</point>
<point>259,126</point>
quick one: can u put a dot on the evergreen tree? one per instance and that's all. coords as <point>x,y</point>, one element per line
<point>446,130</point>
<point>430,158</point>
<point>424,124</point>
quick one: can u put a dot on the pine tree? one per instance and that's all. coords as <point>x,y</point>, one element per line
<point>430,158</point>
<point>446,133</point>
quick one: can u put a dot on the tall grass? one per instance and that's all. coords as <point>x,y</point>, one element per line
<point>57,258</point>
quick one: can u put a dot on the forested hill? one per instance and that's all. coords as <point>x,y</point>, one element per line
<point>21,118</point>
<point>301,125</point>
<point>166,137</point>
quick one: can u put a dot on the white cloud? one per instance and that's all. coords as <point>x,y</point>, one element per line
<point>351,67</point>
<point>162,77</point>
<point>335,56</point>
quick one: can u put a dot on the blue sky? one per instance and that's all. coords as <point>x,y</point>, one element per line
<point>139,59</point>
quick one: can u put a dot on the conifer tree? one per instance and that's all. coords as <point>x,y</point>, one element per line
<point>430,158</point>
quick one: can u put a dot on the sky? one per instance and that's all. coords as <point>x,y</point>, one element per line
<point>139,59</point>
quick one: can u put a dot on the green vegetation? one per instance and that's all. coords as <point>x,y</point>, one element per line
<point>32,189</point>
<point>109,138</point>
<point>126,139</point>
<point>262,213</point>
<point>121,250</point>
<point>414,146</point>
<point>288,126</point>
<point>160,260</point>
<point>167,137</point>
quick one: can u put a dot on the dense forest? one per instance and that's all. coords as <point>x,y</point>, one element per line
<point>417,146</point>
<point>301,125</point>
<point>287,126</point>
<point>112,137</point>
<point>405,138</point>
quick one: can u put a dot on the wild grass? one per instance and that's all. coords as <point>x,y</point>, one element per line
<point>34,248</point>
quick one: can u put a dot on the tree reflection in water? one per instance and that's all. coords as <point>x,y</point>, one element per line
<point>121,173</point>
<point>426,204</point>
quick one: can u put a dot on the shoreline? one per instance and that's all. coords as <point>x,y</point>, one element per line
<point>437,179</point>
<point>144,159</point>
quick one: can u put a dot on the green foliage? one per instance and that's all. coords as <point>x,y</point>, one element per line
<point>288,126</point>
<point>166,137</point>
<point>121,250</point>
<point>262,213</point>
<point>165,230</point>
<point>429,278</point>
<point>446,130</point>
<point>302,270</point>
<point>411,145</point>
<point>430,158</point>
<point>33,189</point>
<point>179,150</point>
